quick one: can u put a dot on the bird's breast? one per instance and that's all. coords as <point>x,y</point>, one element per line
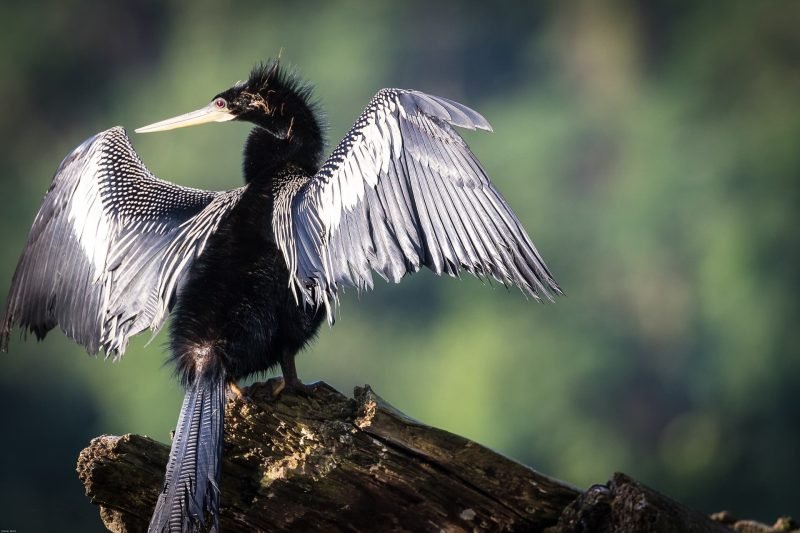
<point>237,299</point>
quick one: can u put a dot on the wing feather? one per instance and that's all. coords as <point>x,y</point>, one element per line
<point>403,190</point>
<point>109,247</point>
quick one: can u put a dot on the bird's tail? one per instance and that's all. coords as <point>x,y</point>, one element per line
<point>191,484</point>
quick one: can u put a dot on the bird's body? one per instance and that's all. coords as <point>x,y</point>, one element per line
<point>250,274</point>
<point>237,296</point>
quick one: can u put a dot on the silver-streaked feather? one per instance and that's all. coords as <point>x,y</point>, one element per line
<point>108,247</point>
<point>402,190</point>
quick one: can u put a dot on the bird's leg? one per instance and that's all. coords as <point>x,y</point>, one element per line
<point>290,380</point>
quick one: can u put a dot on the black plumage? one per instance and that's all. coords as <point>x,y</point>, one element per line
<point>250,274</point>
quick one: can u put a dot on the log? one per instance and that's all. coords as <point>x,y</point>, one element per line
<point>626,505</point>
<point>332,463</point>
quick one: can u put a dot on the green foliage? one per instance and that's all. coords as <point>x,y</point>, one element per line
<point>651,149</point>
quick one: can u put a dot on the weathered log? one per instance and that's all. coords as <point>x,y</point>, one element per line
<point>330,463</point>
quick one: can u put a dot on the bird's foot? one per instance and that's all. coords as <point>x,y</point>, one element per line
<point>303,389</point>
<point>291,382</point>
<point>279,385</point>
<point>238,393</point>
<point>276,386</point>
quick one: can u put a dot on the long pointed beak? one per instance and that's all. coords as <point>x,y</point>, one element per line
<point>209,113</point>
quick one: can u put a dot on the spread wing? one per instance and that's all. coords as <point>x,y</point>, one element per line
<point>108,247</point>
<point>403,190</point>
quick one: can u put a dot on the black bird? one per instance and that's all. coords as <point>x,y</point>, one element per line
<point>250,274</point>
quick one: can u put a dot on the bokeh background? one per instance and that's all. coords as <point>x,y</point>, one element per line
<point>651,148</point>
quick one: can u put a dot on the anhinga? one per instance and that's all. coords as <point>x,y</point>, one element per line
<point>249,274</point>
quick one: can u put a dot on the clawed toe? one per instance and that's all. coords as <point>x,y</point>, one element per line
<point>280,385</point>
<point>301,388</point>
<point>238,393</point>
<point>276,386</point>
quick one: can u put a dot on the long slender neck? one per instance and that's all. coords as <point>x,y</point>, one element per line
<point>294,140</point>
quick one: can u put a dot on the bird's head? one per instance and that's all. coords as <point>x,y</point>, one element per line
<point>271,98</point>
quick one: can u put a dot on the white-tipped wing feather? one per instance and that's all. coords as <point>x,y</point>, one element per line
<point>108,247</point>
<point>402,190</point>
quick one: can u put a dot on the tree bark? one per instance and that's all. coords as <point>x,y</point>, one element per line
<point>330,463</point>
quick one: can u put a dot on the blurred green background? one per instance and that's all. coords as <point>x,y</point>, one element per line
<point>652,149</point>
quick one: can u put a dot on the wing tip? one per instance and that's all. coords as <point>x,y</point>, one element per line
<point>546,286</point>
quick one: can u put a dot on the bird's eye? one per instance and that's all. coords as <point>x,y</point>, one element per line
<point>220,103</point>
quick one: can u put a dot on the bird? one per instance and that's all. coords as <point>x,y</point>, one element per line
<point>249,275</point>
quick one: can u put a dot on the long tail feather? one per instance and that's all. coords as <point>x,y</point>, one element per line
<point>191,484</point>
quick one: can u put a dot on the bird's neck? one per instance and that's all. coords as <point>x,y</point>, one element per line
<point>298,143</point>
